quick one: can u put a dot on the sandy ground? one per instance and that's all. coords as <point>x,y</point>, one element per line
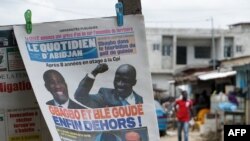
<point>172,136</point>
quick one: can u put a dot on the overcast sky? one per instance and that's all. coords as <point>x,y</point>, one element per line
<point>158,13</point>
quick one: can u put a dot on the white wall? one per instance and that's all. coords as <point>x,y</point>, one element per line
<point>154,56</point>
<point>190,44</point>
<point>164,63</point>
<point>159,63</point>
<point>242,39</point>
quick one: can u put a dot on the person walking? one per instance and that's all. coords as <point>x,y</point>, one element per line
<point>183,114</point>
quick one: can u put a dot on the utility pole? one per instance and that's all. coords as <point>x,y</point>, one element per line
<point>213,43</point>
<point>131,7</point>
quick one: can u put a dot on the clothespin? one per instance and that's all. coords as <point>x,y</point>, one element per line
<point>27,16</point>
<point>119,13</point>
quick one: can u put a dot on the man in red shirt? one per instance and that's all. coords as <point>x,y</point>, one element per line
<point>183,106</point>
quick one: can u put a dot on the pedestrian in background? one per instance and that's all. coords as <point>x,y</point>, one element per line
<point>183,115</point>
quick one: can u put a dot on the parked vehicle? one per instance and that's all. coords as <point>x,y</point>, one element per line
<point>161,118</point>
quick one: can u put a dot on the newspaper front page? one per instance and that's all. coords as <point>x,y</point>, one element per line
<point>91,78</point>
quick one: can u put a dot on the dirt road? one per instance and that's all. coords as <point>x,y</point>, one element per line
<point>172,136</point>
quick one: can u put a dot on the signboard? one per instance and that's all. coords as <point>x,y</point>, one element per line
<point>16,95</point>
<point>24,125</point>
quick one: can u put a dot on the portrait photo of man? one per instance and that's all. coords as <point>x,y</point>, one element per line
<point>56,85</point>
<point>132,136</point>
<point>121,95</point>
<point>106,136</point>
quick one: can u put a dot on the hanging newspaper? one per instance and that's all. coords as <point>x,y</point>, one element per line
<point>91,78</point>
<point>20,116</point>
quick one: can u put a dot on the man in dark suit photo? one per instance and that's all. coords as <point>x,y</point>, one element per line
<point>122,94</point>
<point>106,136</point>
<point>132,136</point>
<point>56,85</point>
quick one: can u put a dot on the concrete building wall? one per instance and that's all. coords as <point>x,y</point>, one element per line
<point>191,44</point>
<point>219,43</point>
<point>167,48</point>
<point>153,38</point>
<point>185,37</point>
<point>242,40</point>
<point>164,67</point>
